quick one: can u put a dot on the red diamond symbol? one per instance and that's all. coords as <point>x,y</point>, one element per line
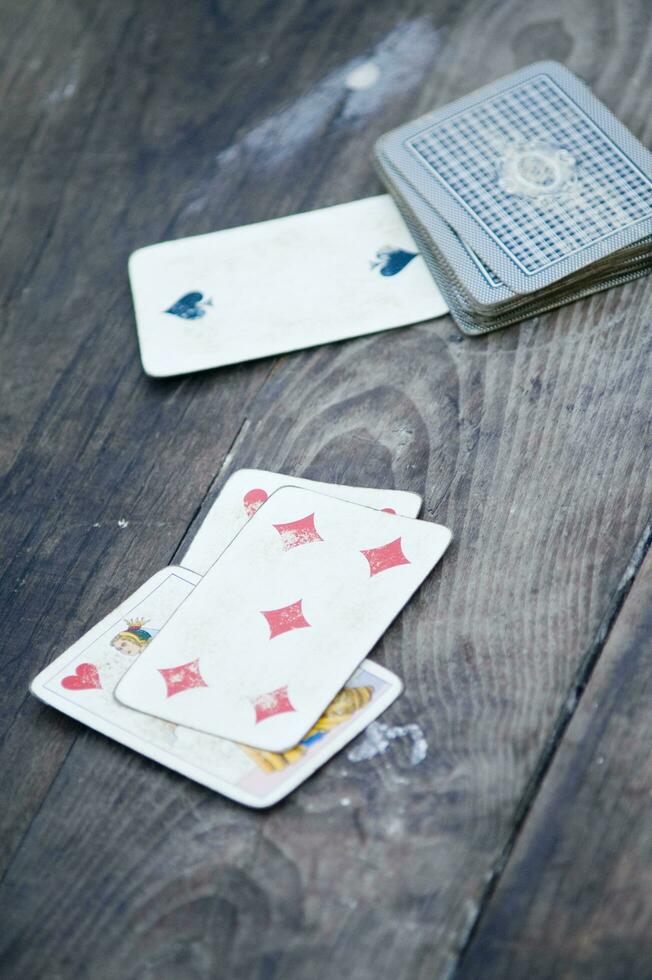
<point>182,678</point>
<point>387,556</point>
<point>388,510</point>
<point>285,619</point>
<point>298,532</point>
<point>253,499</point>
<point>273,703</point>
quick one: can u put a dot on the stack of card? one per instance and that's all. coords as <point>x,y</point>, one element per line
<point>243,667</point>
<point>518,198</point>
<point>522,196</point>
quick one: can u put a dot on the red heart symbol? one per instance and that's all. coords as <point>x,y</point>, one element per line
<point>86,676</point>
<point>253,499</point>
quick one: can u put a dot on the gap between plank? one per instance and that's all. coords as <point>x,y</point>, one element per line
<point>226,462</point>
<point>79,725</point>
<point>16,850</point>
<point>564,717</point>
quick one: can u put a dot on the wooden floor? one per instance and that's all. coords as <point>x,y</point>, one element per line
<point>521,846</point>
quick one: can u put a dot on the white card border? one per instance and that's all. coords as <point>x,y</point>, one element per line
<point>39,688</point>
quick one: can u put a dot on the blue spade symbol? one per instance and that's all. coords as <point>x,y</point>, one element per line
<point>190,306</point>
<point>392,260</point>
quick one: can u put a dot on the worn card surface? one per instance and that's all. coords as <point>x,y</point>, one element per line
<point>246,490</point>
<point>536,175</point>
<point>278,286</point>
<point>82,680</point>
<point>276,626</point>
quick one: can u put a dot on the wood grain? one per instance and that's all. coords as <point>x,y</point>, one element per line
<point>127,123</point>
<point>576,897</point>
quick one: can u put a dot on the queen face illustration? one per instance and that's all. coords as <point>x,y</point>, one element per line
<point>133,640</point>
<point>126,646</point>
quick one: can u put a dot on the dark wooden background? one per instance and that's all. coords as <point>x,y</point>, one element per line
<point>522,845</point>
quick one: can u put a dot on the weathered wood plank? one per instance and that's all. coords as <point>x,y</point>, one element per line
<point>89,441</point>
<point>576,896</point>
<point>530,445</point>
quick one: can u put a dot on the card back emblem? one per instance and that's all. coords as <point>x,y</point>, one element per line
<point>536,169</point>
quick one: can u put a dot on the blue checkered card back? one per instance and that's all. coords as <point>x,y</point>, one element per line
<point>532,172</point>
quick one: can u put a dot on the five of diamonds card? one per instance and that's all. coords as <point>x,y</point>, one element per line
<point>249,677</point>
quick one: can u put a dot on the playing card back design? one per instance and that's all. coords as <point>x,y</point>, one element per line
<point>532,179</point>
<point>511,161</point>
<point>538,170</point>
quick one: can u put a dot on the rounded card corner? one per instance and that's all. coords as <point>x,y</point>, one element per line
<point>118,694</point>
<point>379,144</point>
<point>266,802</point>
<point>245,472</point>
<point>135,258</point>
<point>175,567</point>
<point>288,487</point>
<point>151,371</point>
<point>549,64</point>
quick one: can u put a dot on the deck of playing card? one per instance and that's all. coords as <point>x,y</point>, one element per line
<point>522,196</point>
<point>187,660</point>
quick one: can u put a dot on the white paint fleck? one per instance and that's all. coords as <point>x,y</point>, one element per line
<point>377,738</point>
<point>67,88</point>
<point>600,760</point>
<point>196,205</point>
<point>123,522</point>
<point>97,524</point>
<point>364,76</point>
<point>399,63</point>
<point>345,801</point>
<point>571,701</point>
<point>395,826</point>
